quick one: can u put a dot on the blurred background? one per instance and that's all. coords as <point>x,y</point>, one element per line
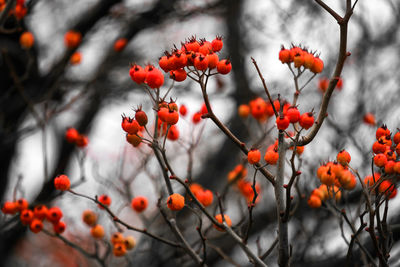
<point>42,94</point>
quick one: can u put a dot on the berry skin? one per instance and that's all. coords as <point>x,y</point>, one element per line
<point>382,131</point>
<point>389,167</point>
<point>293,114</point>
<point>59,227</point>
<point>378,147</point>
<point>138,74</point>
<point>71,135</point>
<point>26,40</point>
<point>284,55</point>
<point>298,60</point>
<point>117,237</point>
<point>75,58</point>
<point>105,200</point>
<point>307,120</point>
<point>119,250</point>
<point>36,226</point>
<point>40,212</point>
<point>72,39</point>
<point>97,231</point>
<point>205,48</point>
<point>343,157</point>
<point>244,111</point>
<point>314,202</point>
<point>26,216</point>
<point>271,157</point>
<point>130,125</point>
<point>253,156</point>
<point>318,65</point>
<point>21,204</point>
<point>282,122</point>
<point>9,208</point>
<point>62,182</point>
<point>175,202</point>
<point>178,75</point>
<point>164,64</point>
<point>120,44</point>
<point>141,117</point>
<point>54,214</point>
<point>129,242</point>
<point>201,62</point>
<point>380,160</point>
<point>89,217</point>
<point>217,44</point>
<point>328,177</point>
<point>183,110</point>
<point>172,117</point>
<point>228,221</point>
<point>154,77</point>
<point>139,203</point>
<point>224,66</point>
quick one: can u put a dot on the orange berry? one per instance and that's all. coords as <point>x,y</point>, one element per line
<point>36,226</point>
<point>40,212</point>
<point>314,201</point>
<point>105,200</point>
<point>130,125</point>
<point>9,208</point>
<point>293,114</point>
<point>26,40</point>
<point>389,167</point>
<point>71,135</point>
<point>89,217</point>
<point>21,204</point>
<point>388,188</point>
<point>284,55</point>
<point>97,231</point>
<point>371,180</point>
<point>154,77</point>
<point>72,39</point>
<point>54,214</point>
<point>183,110</point>
<point>129,242</point>
<point>120,44</point>
<point>26,216</point>
<point>253,156</point>
<point>217,44</point>
<point>228,221</point>
<point>378,147</point>
<point>306,120</point>
<point>119,249</point>
<point>318,193</point>
<point>282,122</point>
<point>139,203</point>
<point>178,75</point>
<point>212,60</point>
<point>343,157</point>
<point>380,160</point>
<point>298,60</point>
<point>318,65</point>
<point>369,118</point>
<point>134,139</point>
<point>396,167</point>
<point>243,111</point>
<point>224,66</point>
<point>323,84</point>
<point>201,62</point>
<point>396,137</point>
<point>308,60</point>
<point>195,188</point>
<point>271,157</point>
<point>75,58</point>
<point>328,177</point>
<point>117,237</point>
<point>175,202</point>
<point>59,227</point>
<point>62,182</point>
<point>205,197</point>
<point>382,131</point>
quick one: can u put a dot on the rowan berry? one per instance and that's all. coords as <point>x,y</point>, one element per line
<point>82,141</point>
<point>75,58</point>
<point>134,139</point>
<point>139,203</point>
<point>217,44</point>
<point>196,117</point>
<point>308,60</point>
<point>72,39</point>
<point>205,47</point>
<point>183,110</point>
<point>343,157</point>
<point>141,117</point>
<point>388,188</point>
<point>173,133</point>
<point>26,216</point>
<point>271,157</point>
<point>59,227</point>
<point>328,177</point>
<point>213,60</point>
<point>36,226</point>
<point>154,77</point>
<point>293,114</point>
<point>164,63</point>
<point>21,204</point>
<point>227,220</point>
<point>119,249</point>
<point>97,231</point>
<point>318,65</point>
<point>224,66</point>
<point>380,160</point>
<point>175,202</point>
<point>120,44</point>
<point>284,55</point>
<point>61,182</point>
<point>369,118</point>
<point>105,200</point>
<point>117,237</point>
<point>172,117</point>
<point>396,137</point>
<point>298,60</point>
<point>40,212</point>
<point>314,202</point>
<point>306,120</point>
<point>201,62</point>
<point>26,40</point>
<point>138,74</point>
<point>382,131</point>
<point>253,156</point>
<point>178,75</point>
<point>71,135</point>
<point>244,110</point>
<point>282,122</point>
<point>54,214</point>
<point>130,125</point>
<point>205,197</point>
<point>9,208</point>
<point>89,217</point>
<point>323,84</point>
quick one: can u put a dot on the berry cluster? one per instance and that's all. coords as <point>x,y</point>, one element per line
<point>301,58</point>
<point>36,217</point>
<point>19,11</point>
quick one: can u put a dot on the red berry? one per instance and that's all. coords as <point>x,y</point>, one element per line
<point>120,44</point>
<point>54,214</point>
<point>164,63</point>
<point>9,208</point>
<point>306,120</point>
<point>71,135</point>
<point>212,60</point>
<point>382,131</point>
<point>172,117</point>
<point>271,157</point>
<point>217,44</point>
<point>205,48</point>
<point>201,62</point>
<point>293,114</point>
<point>182,110</point>
<point>62,182</point>
<point>224,66</point>
<point>40,212</point>
<point>282,123</point>
<point>196,117</point>
<point>130,125</point>
<point>139,203</point>
<point>173,133</point>
<point>59,227</point>
<point>343,157</point>
<point>318,65</point>
<point>284,55</point>
<point>253,156</point>
<point>141,117</point>
<point>178,75</point>
<point>175,202</point>
<point>36,226</point>
<point>154,77</point>
<point>105,200</point>
<point>138,74</point>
